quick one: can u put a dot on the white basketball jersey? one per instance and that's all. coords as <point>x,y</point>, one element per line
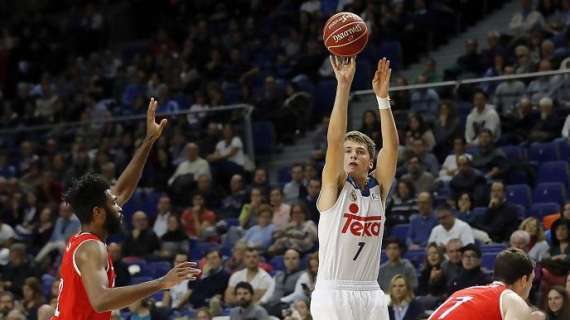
<point>350,234</point>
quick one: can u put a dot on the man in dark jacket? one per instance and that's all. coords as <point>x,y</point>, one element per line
<point>500,219</point>
<point>285,282</point>
<point>471,274</point>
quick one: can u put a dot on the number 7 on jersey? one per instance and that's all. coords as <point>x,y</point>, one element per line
<point>360,246</point>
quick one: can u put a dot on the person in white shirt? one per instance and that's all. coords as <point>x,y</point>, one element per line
<point>163,212</point>
<point>566,127</point>
<point>294,189</point>
<point>449,168</point>
<point>230,148</point>
<point>526,19</point>
<point>482,116</point>
<point>194,164</point>
<point>450,228</point>
<point>259,279</point>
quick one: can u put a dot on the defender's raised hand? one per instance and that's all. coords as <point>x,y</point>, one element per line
<point>153,129</point>
<point>381,81</point>
<point>343,69</point>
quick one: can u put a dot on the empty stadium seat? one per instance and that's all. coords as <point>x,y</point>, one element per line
<point>542,152</point>
<point>521,211</point>
<point>554,171</point>
<point>519,194</point>
<point>541,209</point>
<point>416,257</point>
<point>284,174</point>
<point>488,260</point>
<point>263,137</point>
<point>514,152</point>
<point>277,263</point>
<point>564,148</point>
<point>550,192</point>
<point>400,231</point>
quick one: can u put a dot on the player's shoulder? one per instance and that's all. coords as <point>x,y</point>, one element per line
<point>514,305</point>
<point>91,248</point>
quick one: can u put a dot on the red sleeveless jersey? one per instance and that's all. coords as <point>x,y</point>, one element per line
<point>72,302</point>
<point>474,303</point>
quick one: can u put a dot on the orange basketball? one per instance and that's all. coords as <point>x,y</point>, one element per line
<point>345,34</point>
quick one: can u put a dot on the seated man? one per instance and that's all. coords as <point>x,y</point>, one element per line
<point>141,241</point>
<point>422,223</point>
<point>258,278</point>
<point>500,219</point>
<point>66,225</point>
<point>450,228</point>
<point>396,265</point>
<point>285,282</point>
<point>471,274</point>
<point>491,161</point>
<point>247,306</point>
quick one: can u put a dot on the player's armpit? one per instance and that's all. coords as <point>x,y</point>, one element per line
<point>514,307</point>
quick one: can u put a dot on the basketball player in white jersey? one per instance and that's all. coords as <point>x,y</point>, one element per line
<point>352,204</point>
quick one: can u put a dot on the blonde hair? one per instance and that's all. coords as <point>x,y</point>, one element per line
<point>410,292</point>
<point>359,137</point>
<point>539,229</point>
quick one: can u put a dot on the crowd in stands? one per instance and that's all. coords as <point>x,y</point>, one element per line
<point>480,169</point>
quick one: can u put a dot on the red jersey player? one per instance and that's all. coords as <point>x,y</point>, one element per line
<point>503,299</point>
<point>87,277</point>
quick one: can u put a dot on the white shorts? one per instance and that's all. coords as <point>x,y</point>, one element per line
<point>348,300</point>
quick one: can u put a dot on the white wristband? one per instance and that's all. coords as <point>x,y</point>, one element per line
<point>383,103</point>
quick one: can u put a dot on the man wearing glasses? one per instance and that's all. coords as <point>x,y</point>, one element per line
<point>471,273</point>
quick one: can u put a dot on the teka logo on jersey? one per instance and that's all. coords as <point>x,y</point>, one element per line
<point>362,226</point>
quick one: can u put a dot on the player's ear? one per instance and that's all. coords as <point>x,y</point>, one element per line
<point>99,214</point>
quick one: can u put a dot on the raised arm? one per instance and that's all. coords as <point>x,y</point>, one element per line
<point>333,170</point>
<point>388,154</point>
<point>127,182</point>
<point>91,259</point>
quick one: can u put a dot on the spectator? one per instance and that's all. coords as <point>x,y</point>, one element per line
<point>123,277</point>
<point>260,234</point>
<point>249,210</point>
<point>446,126</point>
<point>285,282</point>
<point>306,282</point>
<point>229,158</point>
<point>403,305</point>
<point>489,160</point>
<point>141,241</point>
<point>453,265</point>
<point>260,181</point>
<point>520,239</point>
<point>469,180</point>
<point>471,273</point>
<point>280,210</point>
<point>557,303</point>
<point>7,233</point>
<point>537,247</point>
<point>236,261</point>
<point>32,298</point>
<point>417,129</point>
<point>432,283</point>
<point>402,203</point>
<point>199,221</point>
<point>194,164</point>
<point>177,296</point>
<point>423,181</point>
<point>450,165</point>
<point>494,49</point>
<point>247,305</point>
<point>560,248</point>
<point>464,210</point>
<point>482,116</point>
<point>548,126</point>
<point>371,126</point>
<point>17,270</point>
<point>313,191</point>
<point>212,284</point>
<point>421,224</point>
<point>396,265</point>
<point>232,203</point>
<point>566,128</point>
<point>300,234</point>
<point>425,100</point>
<point>174,240</point>
<point>258,278</point>
<point>294,189</point>
<point>500,219</point>
<point>6,303</point>
<point>548,220</point>
<point>427,159</point>
<point>299,311</point>
<point>66,225</point>
<point>163,213</point>
<point>541,87</point>
<point>450,228</point>
<point>471,62</point>
<point>526,20</point>
<point>508,93</point>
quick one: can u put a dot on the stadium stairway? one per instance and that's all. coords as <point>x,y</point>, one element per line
<point>447,54</point>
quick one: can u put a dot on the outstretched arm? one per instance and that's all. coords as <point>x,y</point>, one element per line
<point>91,259</point>
<point>127,182</point>
<point>388,154</point>
<point>333,170</point>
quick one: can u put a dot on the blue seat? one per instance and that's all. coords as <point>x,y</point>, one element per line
<point>263,137</point>
<point>400,231</point>
<point>488,260</point>
<point>150,203</point>
<point>541,209</point>
<point>514,152</point>
<point>550,192</point>
<point>479,211</point>
<point>541,152</point>
<point>135,203</point>
<point>284,174</point>
<point>199,249</point>
<point>137,280</point>
<point>521,211</point>
<point>564,148</point>
<point>493,248</point>
<point>277,263</point>
<point>157,268</point>
<point>47,281</point>
<point>554,171</point>
<point>416,257</point>
<point>519,194</point>
<point>232,222</point>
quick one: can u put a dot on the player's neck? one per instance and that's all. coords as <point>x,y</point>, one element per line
<point>101,234</point>
<point>361,180</point>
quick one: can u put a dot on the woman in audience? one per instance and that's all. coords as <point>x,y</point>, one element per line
<point>560,249</point>
<point>33,297</point>
<point>418,129</point>
<point>402,204</point>
<point>174,240</point>
<point>446,126</point>
<point>300,234</point>
<point>450,168</point>
<point>199,221</point>
<point>432,281</point>
<point>538,247</point>
<point>44,228</point>
<point>306,282</point>
<point>464,212</point>
<point>280,210</point>
<point>249,210</point>
<point>403,305</point>
<point>236,262</point>
<point>557,304</point>
<point>260,234</point>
